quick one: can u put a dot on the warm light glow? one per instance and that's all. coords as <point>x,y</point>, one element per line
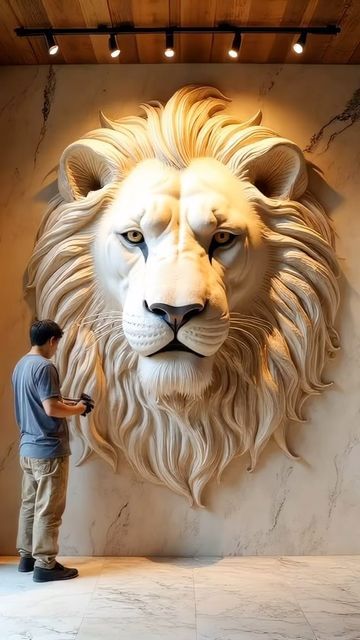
<point>113,47</point>
<point>52,45</point>
<point>235,47</point>
<point>298,48</point>
<point>299,45</point>
<point>169,45</point>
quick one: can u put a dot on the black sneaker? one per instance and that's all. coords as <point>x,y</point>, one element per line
<point>26,564</point>
<point>56,573</point>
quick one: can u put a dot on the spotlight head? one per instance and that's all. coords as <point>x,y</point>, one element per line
<point>235,47</point>
<point>52,46</point>
<point>299,45</point>
<point>113,47</point>
<point>169,44</point>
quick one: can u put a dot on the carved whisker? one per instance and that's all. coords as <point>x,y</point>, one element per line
<point>108,329</point>
<point>249,335</point>
<point>102,313</point>
<point>107,332</point>
<point>243,345</point>
<point>99,316</point>
<point>239,323</point>
<point>97,338</point>
<point>251,319</point>
<point>103,335</point>
<point>111,323</point>
<point>98,320</point>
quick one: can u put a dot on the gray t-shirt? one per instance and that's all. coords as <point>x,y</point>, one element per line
<point>35,379</point>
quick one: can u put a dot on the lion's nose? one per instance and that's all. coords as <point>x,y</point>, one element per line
<point>175,317</point>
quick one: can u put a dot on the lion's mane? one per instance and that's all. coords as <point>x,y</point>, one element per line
<point>263,372</point>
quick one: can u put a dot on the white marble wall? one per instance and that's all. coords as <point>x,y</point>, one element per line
<point>285,507</point>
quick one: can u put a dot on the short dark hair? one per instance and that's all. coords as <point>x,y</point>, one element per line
<point>42,330</point>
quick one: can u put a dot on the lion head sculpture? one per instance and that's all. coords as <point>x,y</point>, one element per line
<point>196,280</point>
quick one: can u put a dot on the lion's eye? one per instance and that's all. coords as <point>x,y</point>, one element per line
<point>133,236</point>
<point>223,238</point>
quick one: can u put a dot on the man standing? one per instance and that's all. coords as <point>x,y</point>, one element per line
<point>44,454</point>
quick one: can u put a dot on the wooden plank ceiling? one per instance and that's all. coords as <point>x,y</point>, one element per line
<point>341,49</point>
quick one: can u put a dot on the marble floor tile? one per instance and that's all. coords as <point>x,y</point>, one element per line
<point>326,599</point>
<point>186,599</point>
<point>239,573</point>
<point>240,600</point>
<point>335,626</point>
<point>328,592</point>
<point>22,628</point>
<point>137,568</point>
<point>135,589</point>
<point>277,604</point>
<point>147,629</point>
<point>21,597</point>
<point>243,628</point>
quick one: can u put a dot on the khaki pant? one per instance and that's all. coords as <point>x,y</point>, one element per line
<point>42,505</point>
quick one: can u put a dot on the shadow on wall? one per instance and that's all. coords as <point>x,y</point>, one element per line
<point>329,198</point>
<point>50,190</point>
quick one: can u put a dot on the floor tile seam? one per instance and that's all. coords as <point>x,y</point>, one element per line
<point>195,606</point>
<point>79,627</point>
<point>96,582</point>
<point>307,621</point>
<point>92,595</point>
<point>294,594</point>
<point>94,589</point>
<point>30,619</point>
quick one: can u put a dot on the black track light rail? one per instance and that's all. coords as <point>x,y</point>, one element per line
<point>128,29</point>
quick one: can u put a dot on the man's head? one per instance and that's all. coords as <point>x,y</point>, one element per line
<point>45,334</point>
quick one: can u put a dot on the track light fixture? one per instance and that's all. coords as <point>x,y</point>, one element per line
<point>169,52</point>
<point>235,47</point>
<point>169,45</point>
<point>113,47</point>
<point>299,46</point>
<point>52,46</point>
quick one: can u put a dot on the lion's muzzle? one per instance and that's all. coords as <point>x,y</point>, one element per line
<point>175,318</point>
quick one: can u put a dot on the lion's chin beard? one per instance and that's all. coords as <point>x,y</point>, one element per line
<point>167,374</point>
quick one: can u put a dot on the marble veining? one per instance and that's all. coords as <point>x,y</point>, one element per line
<point>49,95</point>
<point>268,85</point>
<point>336,125</point>
<point>283,493</point>
<point>16,98</point>
<point>340,462</point>
<point>248,598</point>
<point>117,528</point>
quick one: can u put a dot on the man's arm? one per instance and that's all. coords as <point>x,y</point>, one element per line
<point>54,408</point>
<point>50,395</point>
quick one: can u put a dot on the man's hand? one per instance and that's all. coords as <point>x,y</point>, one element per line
<point>81,406</point>
<point>55,408</point>
<point>70,403</point>
<point>89,403</point>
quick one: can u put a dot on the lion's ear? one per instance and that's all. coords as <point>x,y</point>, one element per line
<point>276,167</point>
<point>87,165</point>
